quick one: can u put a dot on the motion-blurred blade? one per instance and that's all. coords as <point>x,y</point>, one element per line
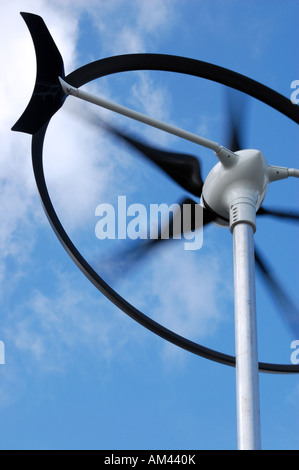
<point>182,168</point>
<point>175,228</point>
<point>282,214</point>
<point>236,118</point>
<point>289,310</point>
<point>185,220</point>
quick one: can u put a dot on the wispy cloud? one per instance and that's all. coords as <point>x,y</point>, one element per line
<point>78,184</point>
<point>54,323</point>
<point>147,22</point>
<point>21,212</point>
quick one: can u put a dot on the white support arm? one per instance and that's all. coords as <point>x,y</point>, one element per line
<point>224,155</point>
<point>293,172</point>
<point>276,173</point>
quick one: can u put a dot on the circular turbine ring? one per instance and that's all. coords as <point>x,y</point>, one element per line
<point>169,63</point>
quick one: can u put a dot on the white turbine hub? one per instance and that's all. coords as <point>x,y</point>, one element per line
<point>235,192</point>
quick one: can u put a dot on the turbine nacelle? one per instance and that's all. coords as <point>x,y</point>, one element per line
<point>236,191</point>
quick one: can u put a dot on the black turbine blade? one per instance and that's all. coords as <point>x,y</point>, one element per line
<point>48,95</point>
<point>189,216</point>
<point>182,168</point>
<point>289,310</point>
<point>235,124</point>
<point>178,224</point>
<point>281,214</point>
<point>186,217</point>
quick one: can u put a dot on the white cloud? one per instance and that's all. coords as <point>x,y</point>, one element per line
<point>186,292</point>
<point>68,173</point>
<point>136,24</point>
<point>50,326</point>
<point>193,293</point>
<point>20,206</point>
<point>156,15</point>
<point>154,100</point>
<point>80,167</point>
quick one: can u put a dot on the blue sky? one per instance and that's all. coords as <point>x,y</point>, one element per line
<point>78,373</point>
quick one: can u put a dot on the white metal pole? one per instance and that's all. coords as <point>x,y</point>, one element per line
<point>247,374</point>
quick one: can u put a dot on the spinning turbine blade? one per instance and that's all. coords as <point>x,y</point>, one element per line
<point>287,307</point>
<point>184,169</point>
<point>289,310</point>
<point>282,214</point>
<point>177,226</point>
<point>183,221</point>
<point>236,116</point>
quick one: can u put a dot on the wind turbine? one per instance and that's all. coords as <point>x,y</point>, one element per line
<point>233,194</point>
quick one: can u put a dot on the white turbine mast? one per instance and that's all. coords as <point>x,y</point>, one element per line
<point>234,189</point>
